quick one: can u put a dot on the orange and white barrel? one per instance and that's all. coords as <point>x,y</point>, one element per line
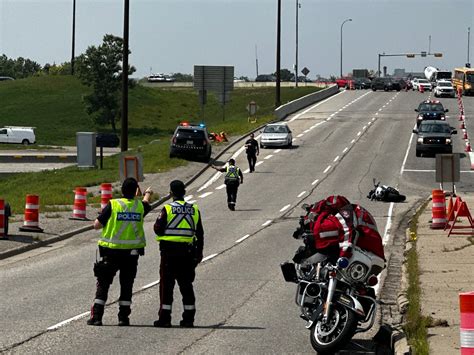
<point>105,194</point>
<point>31,220</point>
<point>438,210</point>
<point>2,219</point>
<point>80,201</point>
<point>466,327</point>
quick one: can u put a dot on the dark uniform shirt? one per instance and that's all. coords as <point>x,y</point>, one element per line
<point>103,218</point>
<point>251,146</point>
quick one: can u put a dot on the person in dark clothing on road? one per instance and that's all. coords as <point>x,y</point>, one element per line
<point>252,150</point>
<point>179,230</point>
<point>121,243</point>
<point>233,178</point>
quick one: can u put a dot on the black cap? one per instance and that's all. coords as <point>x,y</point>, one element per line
<point>129,188</point>
<point>177,188</point>
<point>231,161</point>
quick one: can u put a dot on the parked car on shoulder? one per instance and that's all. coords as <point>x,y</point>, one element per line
<point>191,141</point>
<point>430,110</point>
<point>160,78</point>
<point>444,88</point>
<point>434,137</point>
<point>276,135</point>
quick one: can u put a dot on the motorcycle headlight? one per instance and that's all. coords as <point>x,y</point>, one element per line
<point>357,271</point>
<point>420,140</point>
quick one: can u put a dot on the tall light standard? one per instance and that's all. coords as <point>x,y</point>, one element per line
<point>124,126</point>
<point>278,56</point>
<point>347,20</point>
<point>73,34</point>
<point>298,6</point>
<point>468,38</point>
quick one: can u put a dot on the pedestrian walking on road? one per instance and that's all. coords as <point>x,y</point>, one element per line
<point>252,150</point>
<point>121,244</point>
<point>233,178</point>
<point>179,230</point>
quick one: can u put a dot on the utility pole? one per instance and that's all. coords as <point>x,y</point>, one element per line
<point>347,20</point>
<point>296,46</point>
<point>73,34</point>
<point>256,60</point>
<point>468,40</point>
<point>277,84</point>
<point>429,44</point>
<point>124,130</point>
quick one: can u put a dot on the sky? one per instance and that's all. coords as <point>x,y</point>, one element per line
<point>168,36</point>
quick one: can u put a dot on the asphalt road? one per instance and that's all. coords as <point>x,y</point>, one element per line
<point>244,305</point>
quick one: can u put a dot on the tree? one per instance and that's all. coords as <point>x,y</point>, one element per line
<point>101,69</point>
<point>180,77</point>
<point>286,75</point>
<point>18,68</point>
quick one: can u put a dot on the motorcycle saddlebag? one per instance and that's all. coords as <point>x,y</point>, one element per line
<point>289,272</point>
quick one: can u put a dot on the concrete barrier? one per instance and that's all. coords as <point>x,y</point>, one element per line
<point>296,105</point>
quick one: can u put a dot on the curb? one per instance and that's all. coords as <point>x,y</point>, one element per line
<point>155,204</point>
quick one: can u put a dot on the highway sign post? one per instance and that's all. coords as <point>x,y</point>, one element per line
<point>448,169</point>
<point>408,55</point>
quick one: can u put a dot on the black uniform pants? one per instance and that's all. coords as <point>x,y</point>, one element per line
<point>231,188</point>
<point>126,265</point>
<point>177,265</point>
<point>252,159</point>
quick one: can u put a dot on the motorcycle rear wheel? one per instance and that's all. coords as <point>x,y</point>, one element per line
<point>336,333</point>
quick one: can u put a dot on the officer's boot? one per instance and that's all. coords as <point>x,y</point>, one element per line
<point>188,318</point>
<point>124,312</point>
<point>164,320</point>
<point>97,311</point>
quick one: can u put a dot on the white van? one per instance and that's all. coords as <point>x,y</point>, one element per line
<point>13,134</point>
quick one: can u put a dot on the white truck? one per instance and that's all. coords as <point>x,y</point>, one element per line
<point>14,134</point>
<point>434,74</point>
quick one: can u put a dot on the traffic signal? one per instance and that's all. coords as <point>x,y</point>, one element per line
<point>410,56</point>
<point>438,55</point>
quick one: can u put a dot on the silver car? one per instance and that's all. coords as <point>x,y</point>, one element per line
<point>276,134</point>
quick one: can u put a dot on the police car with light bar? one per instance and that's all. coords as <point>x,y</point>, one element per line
<point>191,141</point>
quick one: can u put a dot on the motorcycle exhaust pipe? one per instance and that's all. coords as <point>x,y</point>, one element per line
<point>313,290</point>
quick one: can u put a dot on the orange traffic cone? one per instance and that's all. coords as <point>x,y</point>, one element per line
<point>464,136</point>
<point>468,147</point>
<point>462,126</point>
<point>421,88</point>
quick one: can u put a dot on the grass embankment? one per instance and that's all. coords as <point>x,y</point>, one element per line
<point>54,105</point>
<point>416,323</point>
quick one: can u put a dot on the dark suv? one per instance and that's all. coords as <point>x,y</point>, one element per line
<point>386,84</point>
<point>191,141</point>
<point>430,110</point>
<point>434,137</point>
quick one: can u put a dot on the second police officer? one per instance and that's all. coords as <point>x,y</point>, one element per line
<point>233,178</point>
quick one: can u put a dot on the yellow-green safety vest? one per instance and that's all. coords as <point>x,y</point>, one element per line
<point>232,173</point>
<point>182,219</point>
<point>124,229</point>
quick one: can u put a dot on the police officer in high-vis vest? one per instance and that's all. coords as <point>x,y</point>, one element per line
<point>233,178</point>
<point>179,230</point>
<point>121,243</point>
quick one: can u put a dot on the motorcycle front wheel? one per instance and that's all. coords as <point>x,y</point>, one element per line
<point>329,337</point>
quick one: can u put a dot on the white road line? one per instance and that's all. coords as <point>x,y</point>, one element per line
<point>268,157</point>
<point>151,284</point>
<point>220,187</point>
<point>188,197</point>
<point>353,141</point>
<point>345,149</point>
<point>359,133</point>
<point>380,109</point>
<point>315,182</point>
<point>277,151</point>
<point>312,107</point>
<point>206,194</point>
<point>336,159</point>
<point>243,238</point>
<point>191,201</point>
<point>369,123</point>
<point>210,181</point>
<point>246,171</point>
<point>293,140</point>
<point>301,193</point>
<point>209,257</point>
<point>299,135</point>
<point>306,131</point>
<point>373,119</point>
<point>267,223</point>
<point>363,128</point>
<point>259,163</point>
<point>329,118</point>
<point>56,326</point>
<point>285,208</point>
<point>406,154</point>
<point>327,169</point>
<point>386,235</point>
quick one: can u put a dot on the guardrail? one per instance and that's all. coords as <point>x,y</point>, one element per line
<point>296,105</point>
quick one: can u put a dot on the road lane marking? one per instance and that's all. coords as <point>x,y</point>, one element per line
<point>259,163</point>
<point>206,194</point>
<point>267,223</point>
<point>306,131</point>
<point>277,151</point>
<point>210,181</point>
<point>363,128</point>
<point>151,284</point>
<point>406,154</point>
<point>285,208</point>
<point>220,187</point>
<point>345,149</point>
<point>191,201</point>
<point>315,182</point>
<point>386,234</point>
<point>299,135</point>
<point>327,169</point>
<point>268,157</point>
<point>246,171</point>
<point>302,193</point>
<point>188,198</point>
<point>359,133</point>
<point>56,326</point>
<point>243,238</point>
<point>353,141</point>
<point>336,159</point>
<point>208,257</point>
<point>316,105</point>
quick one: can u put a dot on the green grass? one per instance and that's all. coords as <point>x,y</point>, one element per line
<point>54,105</point>
<point>416,322</point>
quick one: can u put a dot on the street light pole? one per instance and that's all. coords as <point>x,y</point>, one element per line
<point>277,84</point>
<point>347,20</point>
<point>298,5</point>
<point>73,34</point>
<point>124,130</point>
<point>468,39</point>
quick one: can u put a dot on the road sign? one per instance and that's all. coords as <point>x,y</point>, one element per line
<point>305,71</point>
<point>423,54</point>
<point>214,78</point>
<point>252,108</point>
<point>447,167</point>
